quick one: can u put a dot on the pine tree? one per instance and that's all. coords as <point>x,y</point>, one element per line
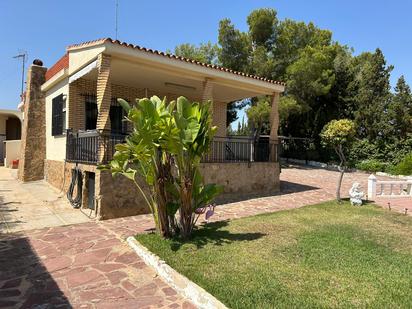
<point>373,97</point>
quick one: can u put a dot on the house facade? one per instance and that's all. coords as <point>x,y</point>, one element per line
<point>73,105</point>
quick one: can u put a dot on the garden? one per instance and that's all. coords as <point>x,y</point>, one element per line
<point>322,256</point>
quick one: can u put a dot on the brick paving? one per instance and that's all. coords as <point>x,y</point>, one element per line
<point>88,265</point>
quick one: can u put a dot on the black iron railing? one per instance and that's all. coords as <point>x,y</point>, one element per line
<point>93,147</point>
<point>242,149</point>
<point>296,147</point>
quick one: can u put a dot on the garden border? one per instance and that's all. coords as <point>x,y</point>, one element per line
<point>196,294</point>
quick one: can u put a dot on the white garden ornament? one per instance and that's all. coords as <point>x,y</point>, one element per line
<point>356,194</point>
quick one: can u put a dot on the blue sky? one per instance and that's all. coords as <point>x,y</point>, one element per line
<point>44,28</point>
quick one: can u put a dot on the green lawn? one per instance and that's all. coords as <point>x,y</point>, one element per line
<point>325,255</point>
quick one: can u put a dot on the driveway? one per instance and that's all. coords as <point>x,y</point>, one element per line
<point>88,265</point>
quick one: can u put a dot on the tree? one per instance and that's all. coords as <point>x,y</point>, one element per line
<point>206,53</point>
<point>372,98</point>
<point>258,115</point>
<point>339,134</point>
<point>400,109</point>
<point>234,46</point>
<point>232,109</point>
<point>262,27</point>
<point>165,148</point>
<point>291,38</point>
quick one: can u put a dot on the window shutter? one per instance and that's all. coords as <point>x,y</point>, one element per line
<point>57,115</point>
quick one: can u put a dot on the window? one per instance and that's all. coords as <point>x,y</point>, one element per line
<point>91,112</point>
<point>117,115</point>
<point>58,115</point>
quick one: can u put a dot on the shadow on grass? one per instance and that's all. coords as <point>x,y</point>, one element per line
<point>212,233</point>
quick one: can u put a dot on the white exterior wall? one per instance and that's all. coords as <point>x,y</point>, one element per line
<point>56,145</point>
<point>11,152</point>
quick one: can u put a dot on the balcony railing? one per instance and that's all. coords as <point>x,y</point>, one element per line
<point>233,149</point>
<point>93,147</point>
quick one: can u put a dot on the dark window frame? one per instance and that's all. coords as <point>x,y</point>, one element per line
<point>90,112</point>
<point>58,115</point>
<point>116,114</point>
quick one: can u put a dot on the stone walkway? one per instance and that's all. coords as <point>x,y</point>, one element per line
<point>88,265</point>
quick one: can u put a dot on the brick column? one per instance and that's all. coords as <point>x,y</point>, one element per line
<point>104,92</point>
<point>218,108</point>
<point>274,126</point>
<point>207,92</point>
<point>274,117</point>
<point>104,97</point>
<point>33,139</point>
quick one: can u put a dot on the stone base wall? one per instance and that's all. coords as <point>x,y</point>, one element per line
<point>118,197</point>
<point>114,197</point>
<point>59,173</point>
<point>56,174</point>
<point>256,177</point>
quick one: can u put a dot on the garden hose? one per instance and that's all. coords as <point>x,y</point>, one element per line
<point>77,179</point>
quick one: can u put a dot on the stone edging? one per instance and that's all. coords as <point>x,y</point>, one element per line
<point>197,295</point>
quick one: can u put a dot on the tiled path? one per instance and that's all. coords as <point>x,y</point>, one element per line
<point>33,205</point>
<point>89,266</point>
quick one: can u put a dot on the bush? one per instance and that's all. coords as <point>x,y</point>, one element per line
<point>371,165</point>
<point>405,166</point>
<point>363,150</point>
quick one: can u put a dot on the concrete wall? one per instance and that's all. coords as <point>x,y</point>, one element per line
<point>56,145</point>
<point>242,177</point>
<point>11,152</point>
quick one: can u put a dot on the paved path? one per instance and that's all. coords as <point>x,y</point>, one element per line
<point>33,205</point>
<point>89,265</point>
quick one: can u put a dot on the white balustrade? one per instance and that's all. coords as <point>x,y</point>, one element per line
<point>388,188</point>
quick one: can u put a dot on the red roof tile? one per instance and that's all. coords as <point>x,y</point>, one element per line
<point>171,56</point>
<point>62,63</point>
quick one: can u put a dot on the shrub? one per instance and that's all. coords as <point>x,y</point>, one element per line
<point>405,166</point>
<point>339,134</point>
<point>371,165</point>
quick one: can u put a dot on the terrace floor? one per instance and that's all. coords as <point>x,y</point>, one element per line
<point>88,265</point>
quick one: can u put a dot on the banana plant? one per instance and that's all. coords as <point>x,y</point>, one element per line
<point>195,130</point>
<point>144,154</point>
<point>165,148</point>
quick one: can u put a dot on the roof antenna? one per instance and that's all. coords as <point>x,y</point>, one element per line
<point>23,56</point>
<point>117,9</point>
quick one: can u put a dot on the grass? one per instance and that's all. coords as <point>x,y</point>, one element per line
<point>320,256</point>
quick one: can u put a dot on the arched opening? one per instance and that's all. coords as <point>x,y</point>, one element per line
<point>10,130</point>
<point>13,128</point>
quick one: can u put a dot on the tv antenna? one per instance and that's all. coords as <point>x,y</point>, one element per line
<point>116,19</point>
<point>23,56</point>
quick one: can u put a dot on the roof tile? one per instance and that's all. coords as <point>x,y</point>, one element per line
<point>156,52</point>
